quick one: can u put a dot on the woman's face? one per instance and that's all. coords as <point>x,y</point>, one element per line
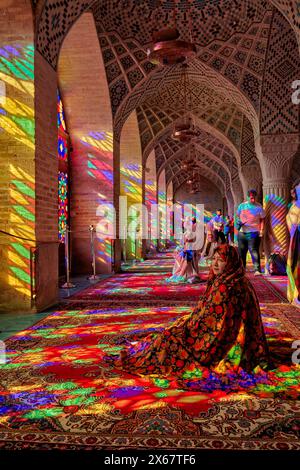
<point>218,264</point>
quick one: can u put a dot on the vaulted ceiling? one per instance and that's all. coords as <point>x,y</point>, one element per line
<point>247,56</point>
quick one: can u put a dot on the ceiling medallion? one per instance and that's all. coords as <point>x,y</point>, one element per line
<point>167,49</point>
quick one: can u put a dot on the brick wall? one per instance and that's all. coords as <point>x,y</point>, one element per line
<point>28,186</point>
<point>151,194</point>
<point>162,213</point>
<point>210,196</point>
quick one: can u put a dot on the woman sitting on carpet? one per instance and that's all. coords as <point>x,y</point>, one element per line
<point>224,333</point>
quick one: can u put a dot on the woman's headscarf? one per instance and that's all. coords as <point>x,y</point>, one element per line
<point>234,267</point>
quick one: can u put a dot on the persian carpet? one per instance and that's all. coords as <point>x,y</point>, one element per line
<point>141,287</point>
<point>150,265</point>
<point>57,393</point>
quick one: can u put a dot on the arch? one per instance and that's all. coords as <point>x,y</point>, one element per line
<point>200,150</point>
<point>200,73</point>
<point>210,195</point>
<point>84,90</point>
<point>209,174</point>
<point>49,39</point>
<point>233,185</point>
<point>201,126</point>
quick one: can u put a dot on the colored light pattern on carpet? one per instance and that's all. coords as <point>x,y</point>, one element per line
<point>55,367</point>
<point>161,255</point>
<point>140,286</point>
<point>148,266</point>
<point>56,391</point>
<point>279,282</point>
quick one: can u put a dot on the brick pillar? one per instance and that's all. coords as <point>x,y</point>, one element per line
<point>131,183</point>
<point>170,221</point>
<point>28,168</point>
<point>117,186</point>
<point>150,188</point>
<point>162,213</point>
<point>86,99</point>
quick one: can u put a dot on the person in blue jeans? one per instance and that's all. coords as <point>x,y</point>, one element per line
<point>251,224</point>
<point>218,227</point>
<point>227,229</point>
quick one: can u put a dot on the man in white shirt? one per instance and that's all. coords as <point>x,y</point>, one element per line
<point>251,221</point>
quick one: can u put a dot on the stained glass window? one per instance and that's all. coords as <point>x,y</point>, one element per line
<point>63,157</point>
<point>62,148</point>
<point>61,123</point>
<point>62,204</point>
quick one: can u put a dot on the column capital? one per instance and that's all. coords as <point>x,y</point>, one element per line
<point>279,187</point>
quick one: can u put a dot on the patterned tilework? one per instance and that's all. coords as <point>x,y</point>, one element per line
<point>240,61</point>
<point>56,19</point>
<point>278,113</point>
<point>168,104</point>
<point>208,20</point>
<point>223,29</point>
<point>210,91</point>
<point>126,65</point>
<point>207,151</point>
<point>201,159</point>
<point>290,8</point>
<point>248,146</point>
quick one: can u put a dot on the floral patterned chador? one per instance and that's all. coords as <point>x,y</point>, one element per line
<point>223,333</point>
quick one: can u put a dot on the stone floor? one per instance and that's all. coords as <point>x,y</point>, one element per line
<point>11,323</point>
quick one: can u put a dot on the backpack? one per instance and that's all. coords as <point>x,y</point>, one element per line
<point>277,264</point>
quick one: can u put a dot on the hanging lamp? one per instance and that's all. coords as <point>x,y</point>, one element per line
<point>184,130</point>
<point>167,48</point>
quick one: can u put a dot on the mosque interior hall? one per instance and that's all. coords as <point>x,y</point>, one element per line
<point>150,225</point>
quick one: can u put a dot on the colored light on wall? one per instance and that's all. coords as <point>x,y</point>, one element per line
<point>99,140</point>
<point>97,152</point>
<point>131,182</point>
<point>17,129</point>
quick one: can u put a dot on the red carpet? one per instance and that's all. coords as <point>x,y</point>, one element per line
<point>141,287</point>
<point>59,394</point>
